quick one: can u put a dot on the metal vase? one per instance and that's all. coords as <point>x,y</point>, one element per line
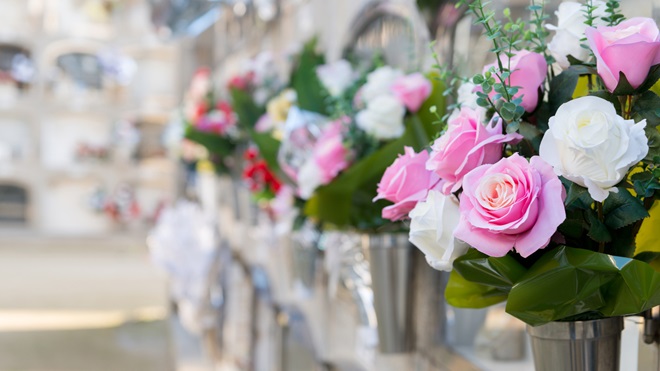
<point>578,345</point>
<point>304,258</point>
<point>390,262</point>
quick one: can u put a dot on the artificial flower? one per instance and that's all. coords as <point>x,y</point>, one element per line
<point>569,31</point>
<point>511,204</point>
<point>383,118</point>
<point>412,90</point>
<point>528,71</point>
<point>336,77</point>
<point>432,230</point>
<point>467,144</point>
<point>379,82</point>
<point>631,48</point>
<point>589,144</point>
<point>405,183</point>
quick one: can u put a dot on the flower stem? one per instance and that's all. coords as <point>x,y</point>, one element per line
<point>601,217</point>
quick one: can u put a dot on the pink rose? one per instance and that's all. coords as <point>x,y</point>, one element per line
<point>412,90</point>
<point>631,47</point>
<point>405,183</point>
<point>330,153</point>
<point>467,144</point>
<point>511,204</point>
<point>528,71</point>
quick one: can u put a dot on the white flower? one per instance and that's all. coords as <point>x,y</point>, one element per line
<point>336,77</point>
<point>310,177</point>
<point>589,144</point>
<point>432,230</point>
<point>379,82</point>
<point>467,98</point>
<point>383,118</point>
<point>570,31</point>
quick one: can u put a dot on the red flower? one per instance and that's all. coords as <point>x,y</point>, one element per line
<point>258,176</point>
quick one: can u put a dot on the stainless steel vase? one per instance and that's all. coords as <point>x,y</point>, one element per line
<point>390,263</point>
<point>577,346</point>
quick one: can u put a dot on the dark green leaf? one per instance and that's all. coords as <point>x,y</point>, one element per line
<point>575,193</point>
<point>646,107</point>
<point>647,256</point>
<point>652,77</point>
<point>597,230</point>
<point>563,86</point>
<point>623,87</point>
<point>653,136</point>
<point>622,209</point>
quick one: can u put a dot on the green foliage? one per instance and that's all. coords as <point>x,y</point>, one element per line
<point>538,34</point>
<point>614,16</point>
<point>591,283</point>
<point>219,148</point>
<point>248,113</point>
<point>588,9</point>
<point>310,92</point>
<point>647,106</point>
<point>622,209</point>
<point>562,86</point>
<point>347,200</point>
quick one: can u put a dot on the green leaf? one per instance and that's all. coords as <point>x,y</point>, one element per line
<point>623,87</point>
<point>462,293</point>
<point>563,283</point>
<point>563,86</point>
<point>597,230</point>
<point>500,273</point>
<point>646,107</point>
<point>647,256</point>
<point>652,77</point>
<point>653,136</point>
<point>575,193</point>
<point>310,92</point>
<point>622,209</point>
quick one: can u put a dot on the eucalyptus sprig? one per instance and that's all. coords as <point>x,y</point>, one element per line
<point>451,82</point>
<point>538,34</point>
<point>505,39</point>
<point>588,9</point>
<point>613,10</point>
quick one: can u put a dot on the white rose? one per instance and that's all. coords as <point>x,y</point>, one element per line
<point>467,98</point>
<point>309,178</point>
<point>432,230</point>
<point>570,31</point>
<point>336,77</point>
<point>589,144</point>
<point>379,82</point>
<point>383,118</point>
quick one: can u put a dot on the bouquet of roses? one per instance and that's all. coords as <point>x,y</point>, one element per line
<point>537,187</point>
<point>371,113</point>
<point>209,121</point>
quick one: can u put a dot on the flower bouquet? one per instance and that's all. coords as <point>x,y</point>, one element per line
<point>254,95</point>
<point>536,188</point>
<point>210,122</point>
<point>373,114</point>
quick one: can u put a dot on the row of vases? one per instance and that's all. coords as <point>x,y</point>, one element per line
<point>577,345</point>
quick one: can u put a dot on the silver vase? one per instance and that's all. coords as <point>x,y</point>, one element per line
<point>577,345</point>
<point>390,263</point>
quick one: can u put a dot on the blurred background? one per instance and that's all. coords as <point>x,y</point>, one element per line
<point>90,96</point>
